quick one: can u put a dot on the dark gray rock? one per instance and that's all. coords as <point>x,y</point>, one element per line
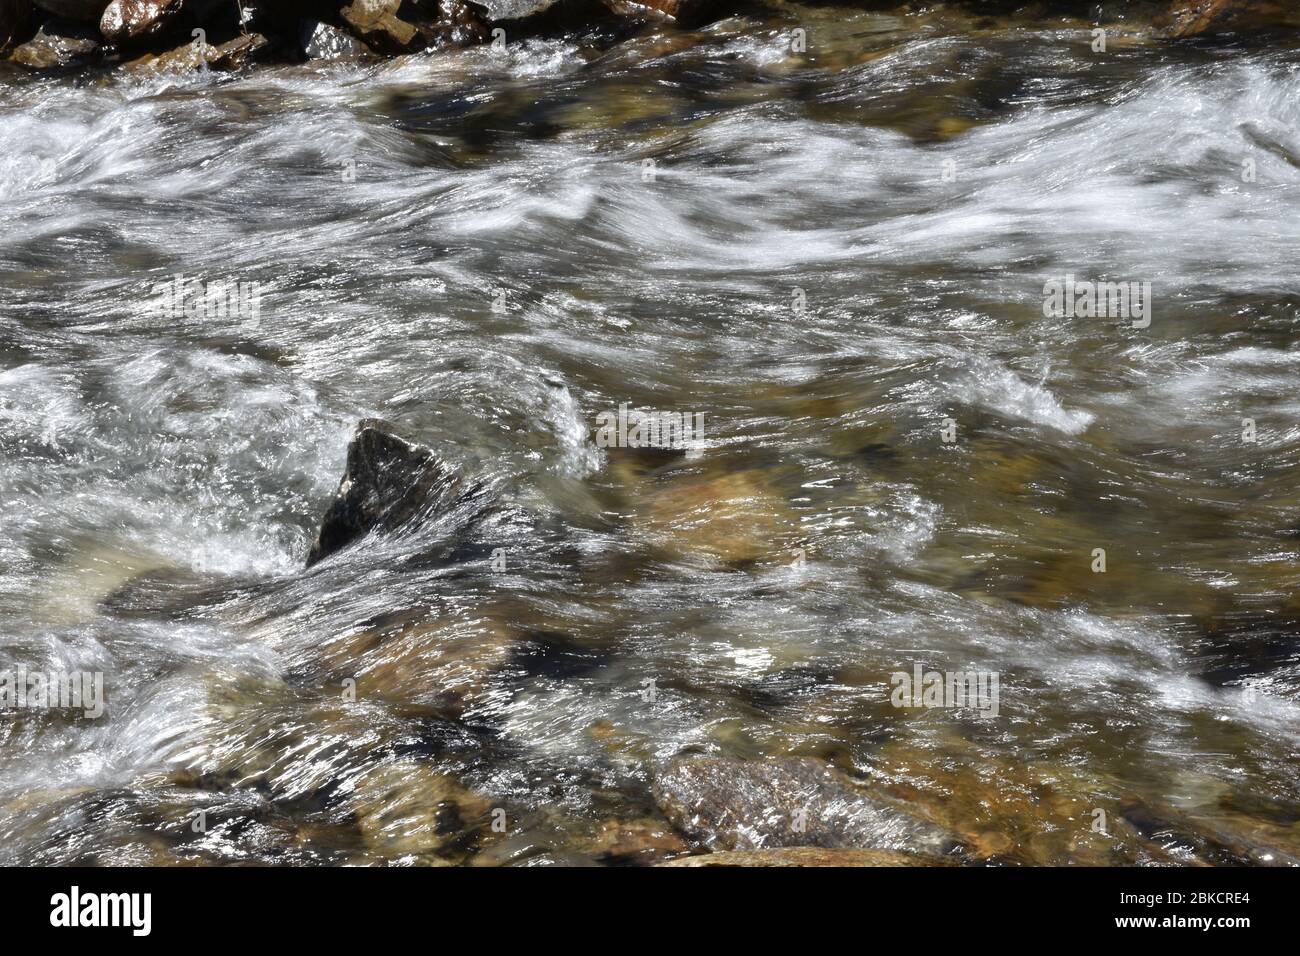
<point>389,482</point>
<point>784,802</point>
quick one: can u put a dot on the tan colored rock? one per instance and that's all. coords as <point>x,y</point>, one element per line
<point>809,856</point>
<point>635,841</point>
<point>126,20</point>
<point>376,22</point>
<point>731,516</point>
<point>55,47</point>
<point>422,664</point>
<point>192,56</point>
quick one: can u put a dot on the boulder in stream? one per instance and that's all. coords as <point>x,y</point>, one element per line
<point>388,482</point>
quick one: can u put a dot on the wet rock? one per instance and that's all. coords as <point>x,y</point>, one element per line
<point>126,20</point>
<point>388,482</point>
<point>1190,18</point>
<point>734,516</point>
<point>377,23</point>
<point>74,9</point>
<point>791,801</point>
<point>421,664</point>
<point>57,45</point>
<point>639,842</point>
<point>231,55</point>
<point>809,856</point>
<point>409,808</point>
<point>320,41</point>
<point>1011,812</point>
<point>670,11</point>
<point>457,25</point>
<point>513,9</point>
<point>1220,839</point>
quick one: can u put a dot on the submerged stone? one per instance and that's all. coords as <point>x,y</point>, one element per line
<point>409,807</point>
<point>809,856</point>
<point>421,664</point>
<point>784,802</point>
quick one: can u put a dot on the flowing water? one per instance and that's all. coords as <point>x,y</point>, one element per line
<point>839,258</point>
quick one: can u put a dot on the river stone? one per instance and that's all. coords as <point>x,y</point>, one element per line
<point>638,842</point>
<point>388,481</point>
<point>125,20</point>
<point>1189,18</point>
<point>457,25</point>
<point>783,802</point>
<point>420,664</point>
<point>74,9</point>
<point>376,22</point>
<point>408,807</point>
<point>729,516</point>
<point>808,856</point>
<point>230,55</point>
<point>670,11</point>
<point>320,41</point>
<point>56,45</point>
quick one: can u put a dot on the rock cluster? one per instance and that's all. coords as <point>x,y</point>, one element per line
<point>150,35</point>
<point>157,35</point>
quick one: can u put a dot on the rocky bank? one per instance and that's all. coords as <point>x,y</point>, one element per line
<point>177,36</point>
